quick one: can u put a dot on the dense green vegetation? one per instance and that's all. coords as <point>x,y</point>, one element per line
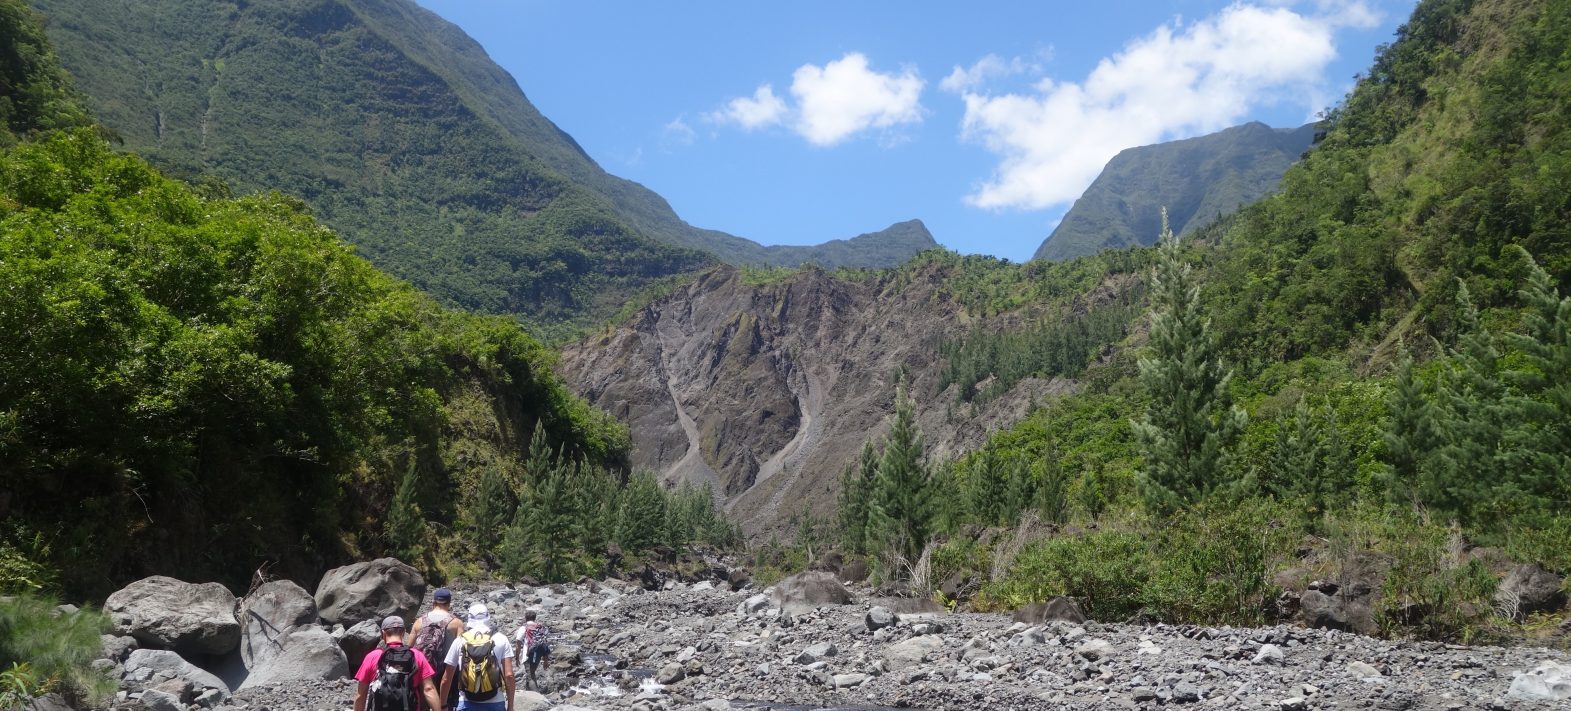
<point>400,133</point>
<point>195,385</point>
<point>35,93</point>
<point>1197,180</point>
<point>1375,363</point>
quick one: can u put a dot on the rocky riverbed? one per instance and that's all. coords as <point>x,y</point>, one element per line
<point>702,646</point>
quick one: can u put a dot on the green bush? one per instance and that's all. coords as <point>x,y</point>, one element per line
<point>43,651</point>
<point>1105,570</point>
<point>1215,563</point>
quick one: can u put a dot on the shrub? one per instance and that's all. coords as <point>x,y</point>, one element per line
<point>43,651</point>
<point>1216,563</point>
<point>1106,571</point>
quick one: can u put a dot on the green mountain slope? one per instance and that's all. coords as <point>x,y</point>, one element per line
<point>397,130</point>
<point>1198,180</point>
<point>35,94</point>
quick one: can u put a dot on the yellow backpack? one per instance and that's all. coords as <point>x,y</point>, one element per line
<point>479,674</point>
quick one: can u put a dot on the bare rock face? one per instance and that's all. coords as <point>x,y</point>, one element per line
<point>766,391</point>
<point>173,614</point>
<point>308,653</point>
<point>369,591</point>
<point>268,614</point>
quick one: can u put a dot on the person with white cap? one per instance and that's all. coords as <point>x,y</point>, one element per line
<point>481,661</point>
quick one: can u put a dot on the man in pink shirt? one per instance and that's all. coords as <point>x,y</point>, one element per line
<point>395,678</point>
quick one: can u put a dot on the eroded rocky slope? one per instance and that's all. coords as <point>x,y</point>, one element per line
<point>766,391</point>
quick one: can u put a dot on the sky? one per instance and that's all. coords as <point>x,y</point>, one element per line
<point>800,122</point>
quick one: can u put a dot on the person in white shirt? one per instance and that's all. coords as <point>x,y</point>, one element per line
<point>477,634</point>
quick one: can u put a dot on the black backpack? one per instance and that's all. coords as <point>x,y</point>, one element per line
<point>394,687</point>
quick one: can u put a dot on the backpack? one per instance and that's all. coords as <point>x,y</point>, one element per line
<point>394,687</point>
<point>480,675</point>
<point>431,638</point>
<point>535,635</point>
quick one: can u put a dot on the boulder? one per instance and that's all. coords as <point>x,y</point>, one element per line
<point>526,700</point>
<point>308,654</point>
<point>1095,649</point>
<point>809,590</point>
<point>670,674</point>
<point>369,591</point>
<point>142,664</point>
<point>854,571</point>
<point>753,604</point>
<point>911,652</point>
<point>1057,608</point>
<point>359,640</point>
<point>155,700</point>
<point>739,578</point>
<point>1337,612</point>
<point>116,647</point>
<point>1550,681</point>
<point>268,614</point>
<point>1527,589</point>
<point>878,618</point>
<point>173,614</point>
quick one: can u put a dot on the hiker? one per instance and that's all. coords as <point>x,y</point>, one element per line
<point>395,678</point>
<point>480,664</point>
<point>434,632</point>
<point>530,642</point>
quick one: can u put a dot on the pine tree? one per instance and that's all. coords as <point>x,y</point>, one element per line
<point>494,503</point>
<point>1052,489</point>
<point>1191,424</point>
<point>899,512</point>
<point>642,513</point>
<point>406,527</point>
<point>1539,442</point>
<point>1409,437</point>
<point>987,489</point>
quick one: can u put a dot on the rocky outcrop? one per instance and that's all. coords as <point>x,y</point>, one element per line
<point>1059,608</point>
<point>307,653</point>
<point>269,613</point>
<point>1527,589</point>
<point>173,614</point>
<point>766,391</point>
<point>147,668</point>
<point>369,591</point>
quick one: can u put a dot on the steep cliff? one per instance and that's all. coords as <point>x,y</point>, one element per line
<point>766,390</point>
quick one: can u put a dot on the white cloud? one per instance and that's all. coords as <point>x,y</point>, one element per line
<point>844,97</point>
<point>1178,80</point>
<point>762,109</point>
<point>833,102</point>
<point>678,133</point>
<point>992,66</point>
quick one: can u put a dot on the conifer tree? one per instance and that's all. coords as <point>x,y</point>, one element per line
<point>946,505</point>
<point>852,509</point>
<point>1540,440</point>
<point>899,511</point>
<point>1191,423</point>
<point>405,526</point>
<point>1409,436</point>
<point>987,489</point>
<point>642,513</point>
<point>1052,489</point>
<point>494,503</point>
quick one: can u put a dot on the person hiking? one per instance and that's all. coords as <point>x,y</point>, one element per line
<point>397,677</point>
<point>433,632</point>
<point>480,664</point>
<point>531,641</point>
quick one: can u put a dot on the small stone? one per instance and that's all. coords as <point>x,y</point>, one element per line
<point>670,674</point>
<point>1362,670</point>
<point>1185,693</point>
<point>1095,649</point>
<point>846,681</point>
<point>1268,654</point>
<point>1296,703</point>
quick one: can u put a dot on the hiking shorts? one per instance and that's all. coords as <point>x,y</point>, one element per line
<point>538,651</point>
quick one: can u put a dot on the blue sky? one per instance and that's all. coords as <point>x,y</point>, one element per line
<point>795,123</point>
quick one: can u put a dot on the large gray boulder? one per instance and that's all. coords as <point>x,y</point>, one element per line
<point>308,654</point>
<point>1528,588</point>
<point>267,616</point>
<point>173,614</point>
<point>369,591</point>
<point>809,590</point>
<point>148,667</point>
<point>359,640</point>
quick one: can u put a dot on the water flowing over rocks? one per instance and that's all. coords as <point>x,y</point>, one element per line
<point>686,645</point>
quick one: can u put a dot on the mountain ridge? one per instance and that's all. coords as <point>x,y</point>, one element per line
<point>1196,179</point>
